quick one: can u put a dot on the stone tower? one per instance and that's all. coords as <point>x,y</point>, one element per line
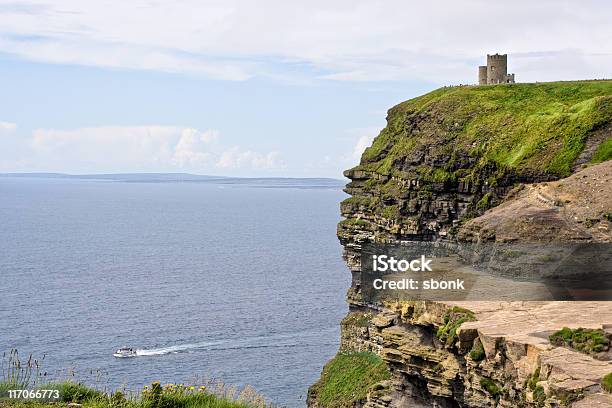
<point>482,75</point>
<point>496,71</point>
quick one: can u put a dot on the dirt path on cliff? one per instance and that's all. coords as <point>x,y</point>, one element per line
<point>577,208</point>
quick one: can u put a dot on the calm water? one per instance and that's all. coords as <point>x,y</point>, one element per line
<point>233,282</point>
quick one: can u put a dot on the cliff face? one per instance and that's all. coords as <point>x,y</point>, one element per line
<point>456,152</point>
<point>443,160</point>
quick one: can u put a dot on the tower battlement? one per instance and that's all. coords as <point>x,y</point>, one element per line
<point>497,56</point>
<point>496,70</point>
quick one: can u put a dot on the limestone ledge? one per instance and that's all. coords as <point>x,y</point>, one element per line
<point>514,335</point>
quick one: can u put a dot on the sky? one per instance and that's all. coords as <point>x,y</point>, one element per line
<point>256,88</point>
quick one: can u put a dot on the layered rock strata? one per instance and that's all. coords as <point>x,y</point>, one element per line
<point>463,166</point>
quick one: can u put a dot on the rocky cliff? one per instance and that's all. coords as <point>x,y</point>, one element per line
<point>466,165</point>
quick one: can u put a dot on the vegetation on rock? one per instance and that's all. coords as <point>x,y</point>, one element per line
<point>356,319</point>
<point>485,202</point>
<point>588,341</point>
<point>453,319</point>
<point>347,378</point>
<point>532,379</point>
<point>606,383</point>
<point>490,387</point>
<point>539,396</point>
<point>354,222</point>
<point>477,353</point>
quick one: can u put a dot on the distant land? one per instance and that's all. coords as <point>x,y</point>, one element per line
<point>264,182</point>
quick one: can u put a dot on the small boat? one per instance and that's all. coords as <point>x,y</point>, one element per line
<point>125,352</point>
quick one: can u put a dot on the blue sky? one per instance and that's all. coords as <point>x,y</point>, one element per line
<point>266,88</point>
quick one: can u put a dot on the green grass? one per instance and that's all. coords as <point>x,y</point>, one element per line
<point>532,127</point>
<point>201,401</point>
<point>155,396</point>
<point>606,383</point>
<point>603,152</point>
<point>16,374</point>
<point>69,391</point>
<point>73,392</point>
<point>347,378</point>
<point>588,341</point>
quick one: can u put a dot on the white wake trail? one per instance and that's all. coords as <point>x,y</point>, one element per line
<point>172,349</point>
<point>278,340</point>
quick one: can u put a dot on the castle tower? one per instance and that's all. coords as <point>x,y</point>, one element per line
<point>496,71</point>
<point>482,75</point>
<point>497,68</point>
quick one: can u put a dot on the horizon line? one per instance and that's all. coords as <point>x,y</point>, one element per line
<point>108,174</point>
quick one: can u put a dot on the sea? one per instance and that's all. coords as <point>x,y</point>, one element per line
<point>209,280</point>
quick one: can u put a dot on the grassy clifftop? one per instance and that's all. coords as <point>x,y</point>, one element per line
<point>451,154</point>
<point>540,127</point>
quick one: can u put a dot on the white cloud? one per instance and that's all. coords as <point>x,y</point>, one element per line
<point>362,143</point>
<point>362,138</point>
<point>7,127</point>
<point>191,149</point>
<point>130,148</point>
<point>113,147</point>
<point>77,51</point>
<point>236,158</point>
<point>339,40</point>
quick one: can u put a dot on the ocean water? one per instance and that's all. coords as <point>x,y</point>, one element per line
<point>241,283</point>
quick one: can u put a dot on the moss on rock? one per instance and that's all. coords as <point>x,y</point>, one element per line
<point>477,353</point>
<point>606,383</point>
<point>356,319</point>
<point>539,396</point>
<point>588,341</point>
<point>490,387</point>
<point>453,319</point>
